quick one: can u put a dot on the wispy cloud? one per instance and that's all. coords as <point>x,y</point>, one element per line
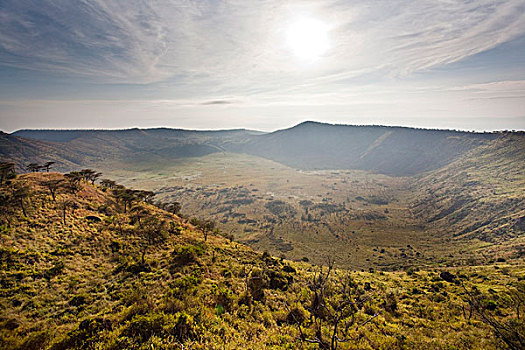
<point>225,44</point>
<point>189,56</point>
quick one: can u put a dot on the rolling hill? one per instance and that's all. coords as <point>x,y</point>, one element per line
<point>82,271</point>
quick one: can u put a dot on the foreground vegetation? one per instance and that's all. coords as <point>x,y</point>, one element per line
<point>88,266</point>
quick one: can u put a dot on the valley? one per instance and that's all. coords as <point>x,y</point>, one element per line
<point>370,197</point>
<point>361,219</point>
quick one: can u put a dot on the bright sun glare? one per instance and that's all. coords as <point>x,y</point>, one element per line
<point>308,38</point>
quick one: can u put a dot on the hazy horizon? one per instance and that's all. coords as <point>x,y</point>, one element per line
<point>260,130</point>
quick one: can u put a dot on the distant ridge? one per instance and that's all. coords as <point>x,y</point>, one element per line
<point>391,150</point>
<point>398,151</point>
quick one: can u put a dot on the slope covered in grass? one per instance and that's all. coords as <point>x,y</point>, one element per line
<point>105,276</point>
<point>479,196</point>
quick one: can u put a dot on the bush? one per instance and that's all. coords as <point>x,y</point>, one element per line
<point>85,335</point>
<point>142,327</point>
<point>224,299</point>
<point>256,284</point>
<point>185,284</point>
<point>182,256</point>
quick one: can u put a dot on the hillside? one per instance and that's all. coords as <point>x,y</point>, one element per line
<point>393,151</point>
<point>101,147</point>
<point>97,275</point>
<point>479,196</point>
<point>23,151</point>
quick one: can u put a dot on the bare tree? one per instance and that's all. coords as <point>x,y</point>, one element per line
<point>333,306</point>
<point>510,329</point>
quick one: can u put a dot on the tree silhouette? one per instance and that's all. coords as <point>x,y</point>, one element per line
<point>73,179</point>
<point>52,186</point>
<point>33,167</point>
<point>146,196</point>
<point>47,165</point>
<point>63,205</point>
<point>21,192</point>
<point>108,183</point>
<point>137,213</point>
<point>173,207</point>
<point>125,195</point>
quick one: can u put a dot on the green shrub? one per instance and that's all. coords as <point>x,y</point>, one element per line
<point>182,256</point>
<point>185,284</point>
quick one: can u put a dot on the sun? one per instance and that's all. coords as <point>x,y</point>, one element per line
<point>308,38</point>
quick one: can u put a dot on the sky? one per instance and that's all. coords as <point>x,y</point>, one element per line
<point>265,64</point>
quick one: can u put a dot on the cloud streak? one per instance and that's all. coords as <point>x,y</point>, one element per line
<point>231,43</point>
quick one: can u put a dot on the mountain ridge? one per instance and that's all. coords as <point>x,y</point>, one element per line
<point>397,151</point>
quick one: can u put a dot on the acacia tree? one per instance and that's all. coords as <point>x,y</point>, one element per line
<point>108,183</point>
<point>152,231</point>
<point>174,207</point>
<point>47,165</point>
<point>205,226</point>
<point>137,213</point>
<point>33,167</point>
<point>146,196</point>
<point>94,177</point>
<point>73,178</point>
<point>125,195</point>
<point>53,186</point>
<point>20,193</point>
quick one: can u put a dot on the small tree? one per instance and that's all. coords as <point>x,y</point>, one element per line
<point>108,183</point>
<point>73,178</point>
<point>20,193</point>
<point>333,304</point>
<point>52,186</point>
<point>174,207</point>
<point>125,195</point>
<point>146,196</point>
<point>94,177</point>
<point>33,167</point>
<point>47,165</point>
<point>63,205</point>
<point>509,329</point>
<point>205,226</point>
<point>152,231</point>
<point>137,213</point>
